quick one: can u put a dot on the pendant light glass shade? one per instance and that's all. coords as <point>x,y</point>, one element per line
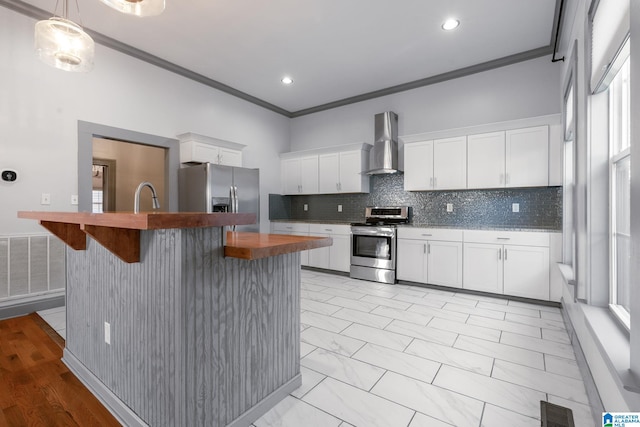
<point>63,44</point>
<point>137,7</point>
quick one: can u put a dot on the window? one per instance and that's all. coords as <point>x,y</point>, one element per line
<point>620,178</point>
<point>569,179</point>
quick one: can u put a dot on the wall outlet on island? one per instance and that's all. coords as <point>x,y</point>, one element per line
<point>339,208</point>
<point>107,333</point>
<point>515,207</point>
<point>449,207</point>
<point>305,207</point>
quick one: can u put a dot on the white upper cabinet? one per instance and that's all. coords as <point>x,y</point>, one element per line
<point>527,157</point>
<point>418,166</point>
<point>436,165</point>
<point>352,165</point>
<point>514,158</point>
<point>450,163</point>
<point>326,171</point>
<point>196,148</point>
<point>485,156</point>
<point>299,175</point>
<point>342,172</point>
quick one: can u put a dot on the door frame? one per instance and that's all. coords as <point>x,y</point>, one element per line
<point>87,131</point>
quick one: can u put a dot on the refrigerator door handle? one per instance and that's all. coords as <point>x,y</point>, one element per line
<point>235,199</point>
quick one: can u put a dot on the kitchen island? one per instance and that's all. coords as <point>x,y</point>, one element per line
<point>168,326</point>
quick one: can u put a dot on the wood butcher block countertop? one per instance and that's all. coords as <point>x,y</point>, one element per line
<point>257,245</point>
<point>144,220</point>
<point>120,231</point>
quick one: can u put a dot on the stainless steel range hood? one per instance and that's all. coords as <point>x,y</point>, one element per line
<point>384,159</point>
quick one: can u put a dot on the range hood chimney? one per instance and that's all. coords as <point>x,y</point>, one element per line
<point>384,159</point>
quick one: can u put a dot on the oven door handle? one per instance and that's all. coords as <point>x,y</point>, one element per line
<point>366,232</point>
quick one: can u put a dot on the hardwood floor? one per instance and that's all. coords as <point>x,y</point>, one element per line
<point>36,388</point>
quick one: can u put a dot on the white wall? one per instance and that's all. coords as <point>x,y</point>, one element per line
<point>526,89</point>
<point>40,107</point>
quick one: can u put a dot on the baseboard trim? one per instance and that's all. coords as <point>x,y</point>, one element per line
<point>118,409</point>
<point>30,304</point>
<point>127,417</point>
<point>267,403</point>
<point>589,383</point>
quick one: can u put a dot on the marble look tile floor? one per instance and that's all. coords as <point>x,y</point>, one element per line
<point>398,355</point>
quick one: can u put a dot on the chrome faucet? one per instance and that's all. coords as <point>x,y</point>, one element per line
<point>154,196</point>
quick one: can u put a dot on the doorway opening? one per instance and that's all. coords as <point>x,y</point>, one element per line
<point>135,165</point>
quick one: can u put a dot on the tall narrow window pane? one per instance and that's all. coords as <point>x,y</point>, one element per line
<point>620,167</point>
<point>622,233</point>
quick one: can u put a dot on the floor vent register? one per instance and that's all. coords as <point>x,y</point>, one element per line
<point>555,415</point>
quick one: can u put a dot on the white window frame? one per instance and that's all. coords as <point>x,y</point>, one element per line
<point>618,310</point>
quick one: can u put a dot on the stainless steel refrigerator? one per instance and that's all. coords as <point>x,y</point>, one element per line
<point>216,188</point>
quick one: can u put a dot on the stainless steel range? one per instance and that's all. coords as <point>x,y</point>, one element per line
<point>373,243</point>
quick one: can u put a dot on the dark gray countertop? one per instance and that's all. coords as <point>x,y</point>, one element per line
<point>418,225</point>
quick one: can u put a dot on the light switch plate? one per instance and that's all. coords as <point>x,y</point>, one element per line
<point>515,207</point>
<point>107,333</point>
<point>449,207</point>
<point>45,199</point>
<point>74,199</point>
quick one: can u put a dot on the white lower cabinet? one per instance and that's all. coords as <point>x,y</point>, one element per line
<point>296,229</point>
<point>431,256</point>
<point>510,263</point>
<point>334,257</point>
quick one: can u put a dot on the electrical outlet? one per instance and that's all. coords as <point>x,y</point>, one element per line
<point>74,199</point>
<point>339,208</point>
<point>449,207</point>
<point>45,199</point>
<point>515,207</point>
<point>305,207</point>
<point>107,333</point>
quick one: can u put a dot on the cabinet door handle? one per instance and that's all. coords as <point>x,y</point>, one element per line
<point>424,248</point>
<point>501,178</point>
<point>507,179</point>
<point>505,254</point>
<point>435,182</point>
<point>499,254</point>
<point>431,182</point>
<point>328,229</point>
<point>340,186</point>
<point>504,238</point>
<point>428,248</point>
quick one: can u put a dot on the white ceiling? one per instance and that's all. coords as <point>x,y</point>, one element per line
<point>333,49</point>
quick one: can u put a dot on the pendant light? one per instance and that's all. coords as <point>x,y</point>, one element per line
<point>63,44</point>
<point>137,7</point>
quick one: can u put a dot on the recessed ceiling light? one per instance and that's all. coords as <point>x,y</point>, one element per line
<point>450,24</point>
<point>286,80</point>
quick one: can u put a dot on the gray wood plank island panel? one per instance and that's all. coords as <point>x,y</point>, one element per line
<point>197,339</point>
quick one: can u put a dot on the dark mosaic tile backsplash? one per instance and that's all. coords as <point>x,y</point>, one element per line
<point>540,207</point>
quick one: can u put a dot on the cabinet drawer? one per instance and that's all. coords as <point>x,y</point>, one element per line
<point>289,227</point>
<point>524,238</point>
<point>329,229</point>
<point>430,234</point>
